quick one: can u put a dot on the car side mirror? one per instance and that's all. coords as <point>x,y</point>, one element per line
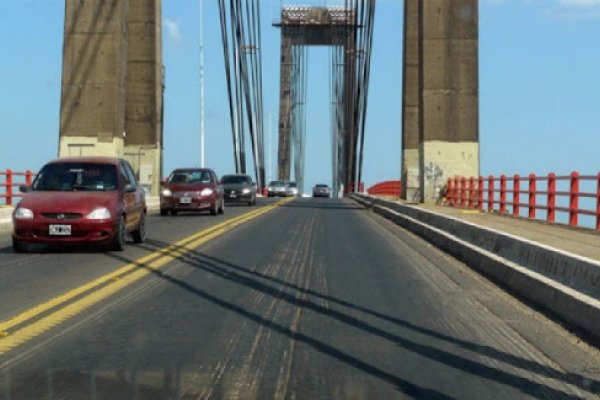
<point>129,188</point>
<point>24,188</point>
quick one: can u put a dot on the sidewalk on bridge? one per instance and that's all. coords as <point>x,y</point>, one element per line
<point>582,242</point>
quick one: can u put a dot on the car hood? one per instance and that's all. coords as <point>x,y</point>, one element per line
<point>235,186</point>
<point>68,202</point>
<point>188,187</point>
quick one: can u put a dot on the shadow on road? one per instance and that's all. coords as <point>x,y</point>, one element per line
<point>260,282</point>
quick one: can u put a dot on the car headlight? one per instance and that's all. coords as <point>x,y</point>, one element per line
<point>206,192</point>
<point>246,191</point>
<point>167,193</point>
<point>99,213</point>
<point>23,213</point>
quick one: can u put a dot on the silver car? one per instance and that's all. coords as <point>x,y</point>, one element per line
<point>277,189</point>
<point>292,189</point>
<point>321,190</point>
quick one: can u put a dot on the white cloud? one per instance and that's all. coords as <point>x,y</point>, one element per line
<point>173,31</point>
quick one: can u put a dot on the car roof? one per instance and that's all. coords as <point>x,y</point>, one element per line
<point>192,169</point>
<point>93,160</point>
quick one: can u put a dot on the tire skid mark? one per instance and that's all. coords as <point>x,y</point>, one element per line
<point>290,265</point>
<point>304,283</point>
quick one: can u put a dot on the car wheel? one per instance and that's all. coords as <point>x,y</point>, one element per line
<point>163,212</point>
<point>214,209</point>
<point>222,208</point>
<point>173,212</point>
<point>118,242</point>
<point>19,247</point>
<point>139,235</point>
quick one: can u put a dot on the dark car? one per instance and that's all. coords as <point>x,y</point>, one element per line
<point>81,200</point>
<point>277,188</point>
<point>321,190</point>
<point>192,189</point>
<point>239,189</point>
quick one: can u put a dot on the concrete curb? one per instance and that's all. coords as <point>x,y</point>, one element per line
<point>578,308</point>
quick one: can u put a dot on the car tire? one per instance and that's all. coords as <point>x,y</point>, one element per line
<point>164,212</point>
<point>214,208</point>
<point>139,235</point>
<point>118,241</point>
<point>222,208</point>
<point>173,212</point>
<point>19,247</point>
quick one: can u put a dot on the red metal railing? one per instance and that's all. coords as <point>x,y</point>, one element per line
<point>387,188</point>
<point>550,193</point>
<point>9,181</point>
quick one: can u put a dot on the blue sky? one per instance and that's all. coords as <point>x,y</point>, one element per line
<point>539,82</point>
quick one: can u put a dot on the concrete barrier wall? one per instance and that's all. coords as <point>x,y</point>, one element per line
<point>525,268</point>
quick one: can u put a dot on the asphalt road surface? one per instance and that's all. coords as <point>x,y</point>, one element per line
<point>300,299</point>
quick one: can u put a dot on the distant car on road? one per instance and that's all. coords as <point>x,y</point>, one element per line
<point>192,189</point>
<point>321,190</point>
<point>292,189</point>
<point>81,200</point>
<point>277,188</point>
<point>239,189</point>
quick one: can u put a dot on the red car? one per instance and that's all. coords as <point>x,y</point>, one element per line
<point>192,189</point>
<point>81,200</point>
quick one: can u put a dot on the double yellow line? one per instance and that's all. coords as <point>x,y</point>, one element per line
<point>107,285</point>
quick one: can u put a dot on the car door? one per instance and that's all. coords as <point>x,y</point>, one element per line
<point>129,198</point>
<point>140,195</point>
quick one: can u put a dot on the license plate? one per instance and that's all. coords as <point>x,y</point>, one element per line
<point>59,230</point>
<point>185,200</point>
<point>232,195</point>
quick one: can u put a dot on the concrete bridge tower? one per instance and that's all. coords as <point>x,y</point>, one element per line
<point>112,84</point>
<point>440,131</point>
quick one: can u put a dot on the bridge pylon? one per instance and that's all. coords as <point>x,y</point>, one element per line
<point>112,84</point>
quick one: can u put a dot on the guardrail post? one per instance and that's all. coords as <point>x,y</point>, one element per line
<point>9,187</point>
<point>551,198</point>
<point>28,177</point>
<point>480,193</point>
<point>598,202</point>
<point>574,199</point>
<point>490,193</point>
<point>456,191</point>
<point>516,203</point>
<point>532,195</point>
<point>503,194</point>
<point>463,192</point>
<point>471,192</point>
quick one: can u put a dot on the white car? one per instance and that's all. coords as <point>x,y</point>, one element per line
<point>292,189</point>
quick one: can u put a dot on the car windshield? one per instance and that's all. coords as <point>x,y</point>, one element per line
<point>190,177</point>
<point>276,183</point>
<point>67,177</point>
<point>322,186</point>
<point>234,179</point>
